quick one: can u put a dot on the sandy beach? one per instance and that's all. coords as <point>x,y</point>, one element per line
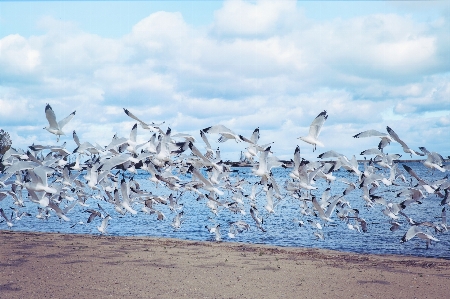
<point>47,265</point>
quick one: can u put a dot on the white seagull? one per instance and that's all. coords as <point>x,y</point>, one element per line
<point>8,221</point>
<point>385,138</point>
<point>416,231</point>
<point>406,148</point>
<point>145,126</point>
<point>102,227</point>
<point>314,130</point>
<point>225,133</point>
<point>54,126</point>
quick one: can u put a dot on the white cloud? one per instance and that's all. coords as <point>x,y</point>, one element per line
<point>238,17</point>
<point>18,55</point>
<point>10,107</point>
<point>260,63</point>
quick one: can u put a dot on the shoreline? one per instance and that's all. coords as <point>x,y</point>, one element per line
<point>290,164</point>
<point>37,264</point>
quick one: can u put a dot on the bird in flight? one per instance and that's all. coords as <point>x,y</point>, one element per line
<point>55,127</point>
<point>314,130</point>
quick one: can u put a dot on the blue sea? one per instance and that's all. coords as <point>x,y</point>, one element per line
<point>281,229</point>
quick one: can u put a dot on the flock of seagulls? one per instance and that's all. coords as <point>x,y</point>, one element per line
<point>43,176</point>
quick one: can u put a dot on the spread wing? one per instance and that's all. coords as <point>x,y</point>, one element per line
<point>50,115</point>
<point>127,112</point>
<point>370,133</point>
<point>316,125</point>
<point>64,121</point>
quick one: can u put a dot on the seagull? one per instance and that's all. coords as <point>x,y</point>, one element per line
<point>394,226</point>
<point>444,218</point>
<point>252,150</point>
<point>215,230</point>
<point>252,196</point>
<point>207,185</point>
<point>94,214</point>
<point>126,202</point>
<point>416,231</point>
<point>406,148</point>
<point>85,147</point>
<point>322,214</point>
<point>342,161</point>
<point>102,227</point>
<point>266,163</point>
<point>319,235</point>
<point>225,133</point>
<point>8,221</point>
<point>18,214</point>
<point>56,127</point>
<point>38,180</point>
<point>385,138</point>
<point>258,221</point>
<point>177,220</point>
<point>209,151</point>
<point>58,211</point>
<point>421,182</point>
<point>21,165</point>
<point>151,127</point>
<point>434,160</point>
<point>269,199</point>
<point>314,130</point>
<point>206,161</point>
<point>42,213</point>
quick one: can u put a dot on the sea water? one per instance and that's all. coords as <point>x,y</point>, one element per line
<point>281,229</point>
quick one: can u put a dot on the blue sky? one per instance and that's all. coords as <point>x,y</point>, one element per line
<point>245,64</point>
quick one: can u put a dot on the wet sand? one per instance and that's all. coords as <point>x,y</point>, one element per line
<point>46,265</point>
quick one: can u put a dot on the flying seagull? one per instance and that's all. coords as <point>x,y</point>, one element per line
<point>405,148</point>
<point>314,130</point>
<point>385,138</point>
<point>225,133</point>
<point>145,126</point>
<point>104,225</point>
<point>56,127</point>
<point>416,231</point>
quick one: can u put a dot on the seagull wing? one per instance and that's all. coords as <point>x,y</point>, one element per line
<point>316,125</point>
<point>50,115</point>
<point>297,159</point>
<point>217,129</point>
<point>94,214</point>
<point>127,112</point>
<point>75,138</point>
<point>133,133</point>
<point>21,165</point>
<point>413,173</point>
<point>196,152</point>
<point>320,210</point>
<point>3,214</point>
<point>396,138</point>
<point>58,211</point>
<point>269,199</point>
<point>205,139</point>
<point>370,133</point>
<point>116,142</point>
<point>102,227</point>
<point>255,136</point>
<point>64,121</point>
<point>125,197</point>
<point>330,154</point>
<point>372,151</point>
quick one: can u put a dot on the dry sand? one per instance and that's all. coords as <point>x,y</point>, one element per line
<point>45,265</point>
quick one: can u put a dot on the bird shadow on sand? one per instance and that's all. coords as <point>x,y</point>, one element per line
<point>384,282</point>
<point>9,287</point>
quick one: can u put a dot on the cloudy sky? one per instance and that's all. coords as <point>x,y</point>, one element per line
<point>245,64</point>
